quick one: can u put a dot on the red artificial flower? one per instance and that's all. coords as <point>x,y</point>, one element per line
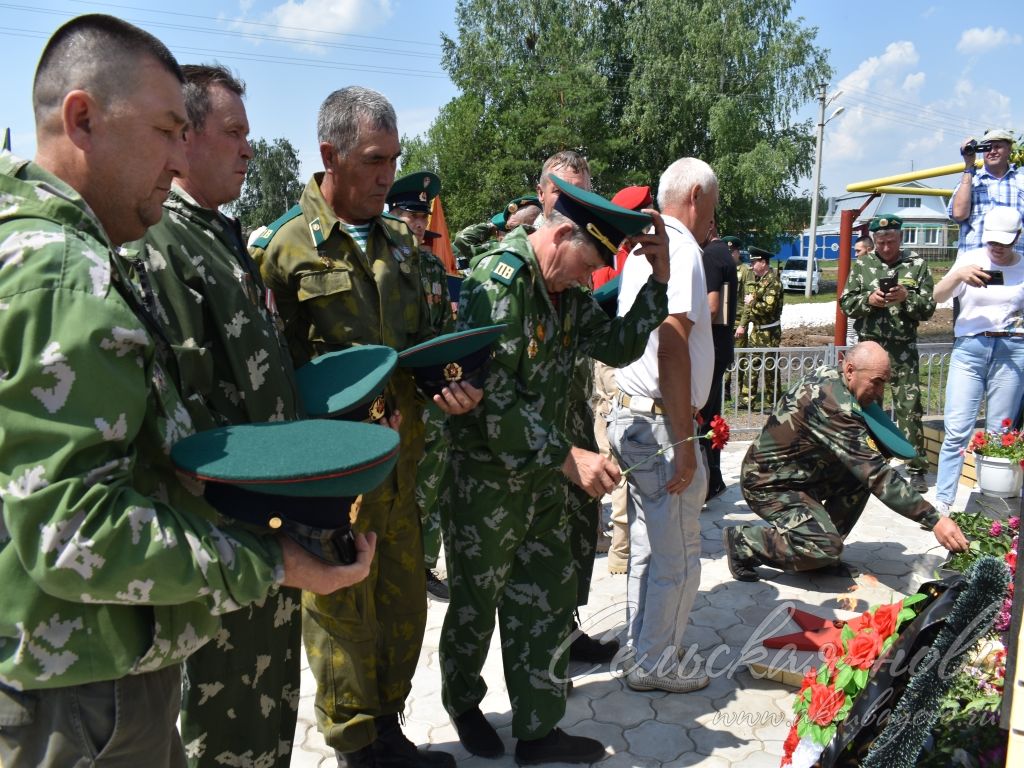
<point>861,622</point>
<point>863,650</point>
<point>884,620</point>
<point>719,433</point>
<point>810,677</point>
<point>789,745</point>
<point>1011,560</point>
<point>825,704</point>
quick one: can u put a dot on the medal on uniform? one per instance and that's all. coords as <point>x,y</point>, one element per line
<point>872,444</point>
<point>531,348</point>
<point>404,266</point>
<point>540,331</point>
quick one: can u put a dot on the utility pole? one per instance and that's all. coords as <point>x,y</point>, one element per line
<point>823,101</point>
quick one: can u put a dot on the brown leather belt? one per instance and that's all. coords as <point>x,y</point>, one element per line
<point>1000,334</point>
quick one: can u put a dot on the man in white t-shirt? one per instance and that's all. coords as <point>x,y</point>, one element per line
<point>659,397</point>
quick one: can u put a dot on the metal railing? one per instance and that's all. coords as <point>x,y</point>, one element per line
<point>759,375</point>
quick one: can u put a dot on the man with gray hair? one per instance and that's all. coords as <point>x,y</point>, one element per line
<point>343,274</point>
<point>655,409</point>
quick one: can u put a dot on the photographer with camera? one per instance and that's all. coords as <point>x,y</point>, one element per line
<point>995,184</point>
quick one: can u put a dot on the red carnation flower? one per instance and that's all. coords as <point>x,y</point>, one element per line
<point>719,433</point>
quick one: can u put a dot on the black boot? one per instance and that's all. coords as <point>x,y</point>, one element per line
<point>477,734</point>
<point>436,586</point>
<point>558,747</point>
<point>590,649</point>
<point>361,759</point>
<point>393,750</point>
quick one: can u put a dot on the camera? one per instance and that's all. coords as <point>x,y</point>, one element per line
<point>973,147</point>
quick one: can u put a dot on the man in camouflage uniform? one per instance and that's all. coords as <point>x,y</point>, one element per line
<point>890,317</point>
<point>812,469</point>
<point>476,238</point>
<point>511,456</point>
<point>760,323</point>
<point>409,200</point>
<point>344,274</point>
<point>233,368</point>
<point>113,570</point>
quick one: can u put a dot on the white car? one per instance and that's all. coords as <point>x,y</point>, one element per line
<point>794,276</point>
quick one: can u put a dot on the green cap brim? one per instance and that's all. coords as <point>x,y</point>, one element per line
<point>608,296</point>
<point>887,433</point>
<point>316,457</point>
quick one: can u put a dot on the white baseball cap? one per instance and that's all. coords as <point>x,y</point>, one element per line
<point>998,134</point>
<point>1001,225</point>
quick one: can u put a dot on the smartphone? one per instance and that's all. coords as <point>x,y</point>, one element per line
<point>995,276</point>
<point>886,284</point>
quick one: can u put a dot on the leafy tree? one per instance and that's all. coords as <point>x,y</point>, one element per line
<point>633,85</point>
<point>272,185</point>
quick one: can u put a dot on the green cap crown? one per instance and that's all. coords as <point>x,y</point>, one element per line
<point>348,384</point>
<point>733,240</point>
<point>885,221</point>
<point>452,357</point>
<point>415,191</point>
<point>887,433</point>
<point>606,223</point>
<point>760,253</point>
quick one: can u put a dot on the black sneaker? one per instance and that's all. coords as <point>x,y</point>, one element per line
<point>436,586</point>
<point>558,747</point>
<point>741,570</point>
<point>715,491</point>
<point>477,734</point>
<point>591,650</point>
<point>393,750</point>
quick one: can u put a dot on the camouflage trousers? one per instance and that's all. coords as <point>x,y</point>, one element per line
<point>509,553</point>
<point>905,386</point>
<point>804,533</point>
<point>432,484</point>
<point>363,642</point>
<point>584,514</point>
<point>240,693</point>
<point>767,366</point>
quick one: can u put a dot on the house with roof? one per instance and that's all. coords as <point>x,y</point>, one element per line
<point>926,227</point>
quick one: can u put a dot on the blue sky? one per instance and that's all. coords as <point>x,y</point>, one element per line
<point>916,76</point>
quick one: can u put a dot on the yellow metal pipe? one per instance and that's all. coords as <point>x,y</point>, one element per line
<point>913,191</point>
<point>925,173</point>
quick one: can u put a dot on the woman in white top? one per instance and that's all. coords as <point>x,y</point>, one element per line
<point>988,354</point>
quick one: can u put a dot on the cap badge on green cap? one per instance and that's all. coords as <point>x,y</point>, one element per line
<point>452,372</point>
<point>883,222</point>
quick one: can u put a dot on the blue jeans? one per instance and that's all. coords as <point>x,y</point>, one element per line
<point>979,366</point>
<point>664,537</point>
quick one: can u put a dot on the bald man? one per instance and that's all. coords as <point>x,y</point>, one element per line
<point>811,470</point>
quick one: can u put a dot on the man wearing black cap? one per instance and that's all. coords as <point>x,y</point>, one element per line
<point>813,468</point>
<point>997,183</point>
<point>888,293</point>
<point>760,323</point>
<point>512,455</point>
<point>409,200</point>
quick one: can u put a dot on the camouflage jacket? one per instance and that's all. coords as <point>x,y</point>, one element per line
<point>472,241</point>
<point>110,565</point>
<point>766,308</point>
<point>815,439</point>
<point>333,296</point>
<point>435,291</point>
<point>521,424</point>
<point>897,322</point>
<point>218,316</point>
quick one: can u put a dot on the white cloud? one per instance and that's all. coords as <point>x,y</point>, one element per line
<point>312,21</point>
<point>978,40</point>
<point>912,83</point>
<point>928,12</point>
<point>897,57</point>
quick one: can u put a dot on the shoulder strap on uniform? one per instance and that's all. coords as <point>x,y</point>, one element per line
<point>271,229</point>
<point>506,267</point>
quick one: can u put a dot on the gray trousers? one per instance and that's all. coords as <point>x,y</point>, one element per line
<point>125,723</point>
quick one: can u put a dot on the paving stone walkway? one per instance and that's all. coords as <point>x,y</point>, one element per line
<point>738,720</point>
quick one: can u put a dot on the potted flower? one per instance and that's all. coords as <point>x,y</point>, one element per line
<point>998,458</point>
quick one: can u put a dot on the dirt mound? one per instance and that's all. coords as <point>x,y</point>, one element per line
<point>938,329</point>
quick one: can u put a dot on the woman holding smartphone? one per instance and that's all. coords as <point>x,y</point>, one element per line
<point>988,354</point>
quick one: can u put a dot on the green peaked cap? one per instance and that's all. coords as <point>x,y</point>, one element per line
<point>298,478</point>
<point>887,433</point>
<point>415,191</point>
<point>608,296</point>
<point>348,384</point>
<point>452,357</point>
<point>733,240</point>
<point>760,253</point>
<point>500,220</point>
<point>885,221</point>
<point>606,223</point>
